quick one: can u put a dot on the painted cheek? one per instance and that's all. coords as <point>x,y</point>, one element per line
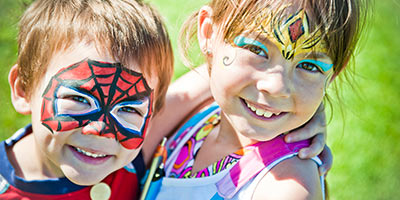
<point>135,142</point>
<point>49,111</point>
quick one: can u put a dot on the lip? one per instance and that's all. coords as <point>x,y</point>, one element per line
<point>252,113</point>
<point>87,159</point>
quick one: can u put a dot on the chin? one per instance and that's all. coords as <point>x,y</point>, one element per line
<point>86,178</point>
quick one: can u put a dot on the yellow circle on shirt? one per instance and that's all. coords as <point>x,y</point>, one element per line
<point>100,191</point>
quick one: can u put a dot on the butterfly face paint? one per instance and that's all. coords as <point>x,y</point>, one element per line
<point>292,37</point>
<point>104,99</point>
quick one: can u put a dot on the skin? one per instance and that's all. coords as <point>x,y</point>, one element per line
<point>43,154</point>
<point>270,82</point>
<point>193,87</point>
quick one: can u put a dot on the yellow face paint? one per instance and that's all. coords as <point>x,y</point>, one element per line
<point>292,36</point>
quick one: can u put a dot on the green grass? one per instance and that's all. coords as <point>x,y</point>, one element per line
<point>365,149</point>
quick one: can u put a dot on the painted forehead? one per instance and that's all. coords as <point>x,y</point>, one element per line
<point>109,82</point>
<point>292,36</point>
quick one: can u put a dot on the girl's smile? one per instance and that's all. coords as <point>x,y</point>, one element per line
<point>261,111</point>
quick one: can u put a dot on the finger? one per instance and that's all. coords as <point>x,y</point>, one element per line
<point>309,130</point>
<point>327,160</point>
<point>317,124</point>
<point>316,147</point>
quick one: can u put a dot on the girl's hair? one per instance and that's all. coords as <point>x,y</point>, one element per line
<point>129,30</point>
<point>338,21</point>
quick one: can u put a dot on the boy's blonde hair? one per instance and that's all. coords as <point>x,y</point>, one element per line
<point>338,21</point>
<point>126,29</point>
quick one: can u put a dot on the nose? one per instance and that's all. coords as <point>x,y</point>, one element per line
<point>275,83</point>
<point>97,128</point>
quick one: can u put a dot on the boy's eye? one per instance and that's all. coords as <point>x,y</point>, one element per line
<point>78,99</point>
<point>128,110</point>
<point>131,114</point>
<point>71,101</point>
<point>308,66</point>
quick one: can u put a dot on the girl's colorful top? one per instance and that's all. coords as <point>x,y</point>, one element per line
<point>185,159</point>
<point>123,183</point>
<point>233,177</point>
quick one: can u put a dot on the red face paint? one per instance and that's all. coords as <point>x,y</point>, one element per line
<point>104,99</point>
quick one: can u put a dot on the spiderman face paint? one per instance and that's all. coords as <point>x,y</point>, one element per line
<point>102,98</point>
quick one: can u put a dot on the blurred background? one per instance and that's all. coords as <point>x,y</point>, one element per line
<point>363,142</point>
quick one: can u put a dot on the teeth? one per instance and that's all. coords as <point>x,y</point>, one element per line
<point>268,114</point>
<point>93,155</point>
<point>261,112</point>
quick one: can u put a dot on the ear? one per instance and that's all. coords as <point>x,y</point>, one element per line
<point>18,97</point>
<point>205,28</point>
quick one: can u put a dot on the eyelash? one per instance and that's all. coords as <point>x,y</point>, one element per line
<point>79,99</point>
<point>129,110</point>
<point>256,50</point>
<point>309,67</point>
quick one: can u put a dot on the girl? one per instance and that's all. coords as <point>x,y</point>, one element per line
<point>269,65</point>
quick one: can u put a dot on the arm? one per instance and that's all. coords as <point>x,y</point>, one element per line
<point>292,179</point>
<point>183,96</point>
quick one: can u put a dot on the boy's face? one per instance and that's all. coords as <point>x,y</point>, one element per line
<point>90,114</point>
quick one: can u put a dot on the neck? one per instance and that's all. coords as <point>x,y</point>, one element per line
<point>227,134</point>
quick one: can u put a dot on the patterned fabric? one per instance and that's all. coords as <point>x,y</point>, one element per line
<point>238,181</point>
<point>185,160</point>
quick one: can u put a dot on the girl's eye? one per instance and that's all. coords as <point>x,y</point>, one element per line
<point>309,67</point>
<point>252,45</point>
<point>256,50</point>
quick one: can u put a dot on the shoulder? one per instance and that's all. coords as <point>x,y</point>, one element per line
<point>291,179</point>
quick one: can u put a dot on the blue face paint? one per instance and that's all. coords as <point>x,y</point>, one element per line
<point>243,41</point>
<point>324,66</point>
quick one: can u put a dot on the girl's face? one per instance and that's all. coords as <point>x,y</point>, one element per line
<point>267,84</point>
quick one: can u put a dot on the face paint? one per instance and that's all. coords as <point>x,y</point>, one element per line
<point>292,36</point>
<point>323,66</point>
<point>241,41</point>
<point>105,99</point>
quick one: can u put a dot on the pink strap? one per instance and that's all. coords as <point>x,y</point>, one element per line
<point>263,154</point>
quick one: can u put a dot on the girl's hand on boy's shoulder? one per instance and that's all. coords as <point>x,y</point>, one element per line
<point>292,179</point>
<point>315,128</point>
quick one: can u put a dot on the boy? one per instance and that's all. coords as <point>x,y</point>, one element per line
<point>91,74</point>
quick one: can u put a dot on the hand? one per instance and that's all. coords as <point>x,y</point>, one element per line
<point>315,128</point>
<point>327,160</point>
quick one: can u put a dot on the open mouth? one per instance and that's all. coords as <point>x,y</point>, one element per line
<point>88,156</point>
<point>261,113</point>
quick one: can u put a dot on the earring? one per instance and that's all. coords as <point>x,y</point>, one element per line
<point>207,51</point>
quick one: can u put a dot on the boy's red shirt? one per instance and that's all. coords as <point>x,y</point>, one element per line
<point>124,183</point>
